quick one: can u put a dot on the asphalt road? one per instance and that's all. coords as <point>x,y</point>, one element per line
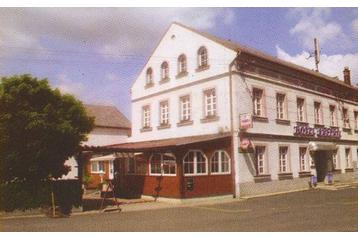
<point>314,210</point>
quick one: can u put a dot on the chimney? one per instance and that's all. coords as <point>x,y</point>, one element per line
<point>347,76</point>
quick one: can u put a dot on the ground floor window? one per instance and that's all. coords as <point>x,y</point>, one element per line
<point>303,159</point>
<point>162,164</point>
<point>261,164</point>
<point>137,165</point>
<point>97,167</point>
<point>335,159</point>
<point>195,163</point>
<point>220,162</point>
<point>283,159</point>
<point>348,158</point>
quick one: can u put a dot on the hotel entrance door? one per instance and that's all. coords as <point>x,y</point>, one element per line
<point>322,155</point>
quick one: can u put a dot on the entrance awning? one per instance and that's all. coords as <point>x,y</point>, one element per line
<point>110,157</point>
<point>315,146</point>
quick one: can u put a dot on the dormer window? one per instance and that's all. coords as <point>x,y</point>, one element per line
<point>202,58</point>
<point>164,70</point>
<point>149,78</point>
<point>182,66</point>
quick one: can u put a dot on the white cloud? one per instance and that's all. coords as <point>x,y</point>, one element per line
<point>112,77</point>
<point>316,23</point>
<point>67,85</point>
<point>331,65</point>
<point>355,29</point>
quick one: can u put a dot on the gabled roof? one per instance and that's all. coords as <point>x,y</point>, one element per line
<point>251,51</point>
<point>107,116</point>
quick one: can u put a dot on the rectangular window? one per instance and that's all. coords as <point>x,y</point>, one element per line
<point>283,159</point>
<point>280,106</point>
<point>348,158</point>
<point>303,159</point>
<point>301,110</point>
<point>345,118</point>
<point>258,102</point>
<point>164,113</point>
<point>335,159</point>
<point>356,120</point>
<point>97,166</point>
<point>318,113</point>
<point>260,160</point>
<point>333,115</point>
<point>210,103</point>
<point>130,166</point>
<point>185,108</point>
<point>146,116</point>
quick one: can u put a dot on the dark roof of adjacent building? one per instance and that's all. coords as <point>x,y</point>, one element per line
<point>107,116</point>
<point>251,51</point>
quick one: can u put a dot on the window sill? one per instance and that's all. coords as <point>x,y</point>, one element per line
<point>162,175</point>
<point>259,118</point>
<point>355,130</point>
<point>194,175</point>
<point>346,129</point>
<point>318,125</point>
<point>185,123</point>
<point>302,123</point>
<point>181,75</point>
<point>220,173</point>
<point>202,68</point>
<point>165,80</point>
<point>349,170</point>
<point>209,119</point>
<point>262,178</point>
<point>283,122</point>
<point>284,176</point>
<point>164,126</point>
<point>149,85</point>
<point>146,129</point>
<point>337,171</point>
<point>304,174</point>
<point>334,127</point>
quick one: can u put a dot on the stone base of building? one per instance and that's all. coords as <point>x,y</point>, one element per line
<point>221,198</point>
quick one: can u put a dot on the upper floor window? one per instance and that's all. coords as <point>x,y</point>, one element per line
<point>185,108</point>
<point>333,115</point>
<point>318,113</point>
<point>260,157</point>
<point>283,159</point>
<point>258,102</point>
<point>195,162</point>
<point>182,64</point>
<point>220,162</point>
<point>164,70</point>
<point>356,120</point>
<point>146,116</point>
<point>345,117</point>
<point>303,159</point>
<point>164,113</point>
<point>301,110</point>
<point>149,77</point>
<point>202,57</point>
<point>162,164</point>
<point>281,106</point>
<point>210,103</point>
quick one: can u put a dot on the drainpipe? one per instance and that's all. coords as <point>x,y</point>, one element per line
<point>233,149</point>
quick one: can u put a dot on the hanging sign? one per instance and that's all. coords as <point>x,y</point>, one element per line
<point>245,121</point>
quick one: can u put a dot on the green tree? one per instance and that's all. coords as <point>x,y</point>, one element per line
<point>39,129</point>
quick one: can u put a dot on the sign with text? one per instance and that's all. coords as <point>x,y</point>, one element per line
<point>323,132</point>
<point>245,121</point>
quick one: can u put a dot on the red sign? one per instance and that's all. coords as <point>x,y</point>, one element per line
<point>245,121</point>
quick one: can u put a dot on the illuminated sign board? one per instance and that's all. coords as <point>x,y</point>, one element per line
<point>322,132</point>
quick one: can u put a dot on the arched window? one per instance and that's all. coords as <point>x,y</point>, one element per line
<point>195,162</point>
<point>164,69</point>
<point>182,64</point>
<point>202,57</point>
<point>220,163</point>
<point>149,76</point>
<point>162,164</point>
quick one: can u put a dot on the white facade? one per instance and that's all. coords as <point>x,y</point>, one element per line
<point>180,40</point>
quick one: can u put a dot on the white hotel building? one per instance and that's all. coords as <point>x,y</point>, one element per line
<point>186,108</point>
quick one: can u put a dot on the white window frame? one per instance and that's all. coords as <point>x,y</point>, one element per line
<point>162,173</point>
<point>345,118</point>
<point>258,95</point>
<point>164,70</point>
<point>349,161</point>
<point>220,162</point>
<point>195,163</point>
<point>304,160</point>
<point>317,111</point>
<point>149,76</point>
<point>164,113</point>
<point>301,109</point>
<point>185,108</point>
<point>333,115</point>
<point>202,57</point>
<point>210,103</point>
<point>182,64</point>
<point>146,116</point>
<point>262,158</point>
<point>281,106</point>
<point>335,159</point>
<point>98,171</point>
<point>284,160</point>
<point>356,120</point>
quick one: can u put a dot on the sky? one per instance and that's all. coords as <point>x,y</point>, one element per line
<point>97,53</point>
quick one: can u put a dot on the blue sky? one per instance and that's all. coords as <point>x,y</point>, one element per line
<point>97,53</point>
